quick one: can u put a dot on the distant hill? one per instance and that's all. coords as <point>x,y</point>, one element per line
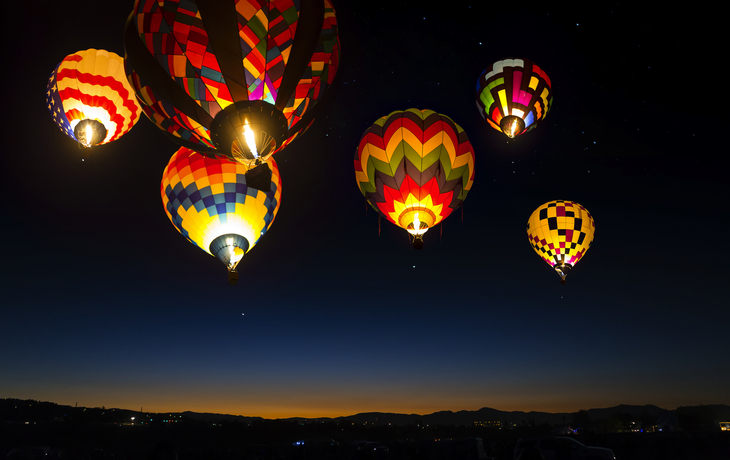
<point>208,417</point>
<point>465,417</point>
<point>16,409</point>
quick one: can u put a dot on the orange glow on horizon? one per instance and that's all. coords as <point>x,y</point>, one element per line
<point>303,410</point>
<point>335,400</point>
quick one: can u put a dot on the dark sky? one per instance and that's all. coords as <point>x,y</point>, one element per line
<point>105,303</point>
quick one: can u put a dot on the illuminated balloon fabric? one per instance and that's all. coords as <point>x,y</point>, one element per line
<point>193,61</point>
<point>415,162</point>
<point>561,232</point>
<point>514,89</point>
<point>209,202</point>
<point>91,85</point>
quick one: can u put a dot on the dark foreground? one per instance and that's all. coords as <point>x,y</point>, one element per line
<point>290,440</point>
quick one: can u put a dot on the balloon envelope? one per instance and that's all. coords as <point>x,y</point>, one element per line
<point>561,232</point>
<point>196,64</point>
<point>91,85</point>
<point>415,167</point>
<point>515,90</point>
<point>209,202</point>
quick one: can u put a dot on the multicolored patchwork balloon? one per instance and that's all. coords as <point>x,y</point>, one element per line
<point>210,71</point>
<point>90,98</point>
<point>513,95</point>
<point>561,232</point>
<point>415,167</point>
<point>210,203</point>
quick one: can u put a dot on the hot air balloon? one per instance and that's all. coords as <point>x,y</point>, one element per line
<point>415,167</point>
<point>210,203</point>
<point>513,95</point>
<point>90,98</point>
<point>235,79</point>
<point>561,232</point>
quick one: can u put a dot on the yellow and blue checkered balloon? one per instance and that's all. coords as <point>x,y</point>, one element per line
<point>210,203</point>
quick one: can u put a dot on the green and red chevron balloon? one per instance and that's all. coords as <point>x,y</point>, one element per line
<point>415,167</point>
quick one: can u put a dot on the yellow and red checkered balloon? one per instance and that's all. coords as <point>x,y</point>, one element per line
<point>561,232</point>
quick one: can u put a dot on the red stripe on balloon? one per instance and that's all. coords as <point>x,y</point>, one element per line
<point>97,101</point>
<point>110,82</point>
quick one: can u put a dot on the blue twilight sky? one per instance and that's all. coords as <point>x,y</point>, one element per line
<point>104,303</point>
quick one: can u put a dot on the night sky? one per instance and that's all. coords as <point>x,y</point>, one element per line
<point>105,303</point>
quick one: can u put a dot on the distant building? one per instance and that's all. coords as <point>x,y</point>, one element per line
<point>489,424</point>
